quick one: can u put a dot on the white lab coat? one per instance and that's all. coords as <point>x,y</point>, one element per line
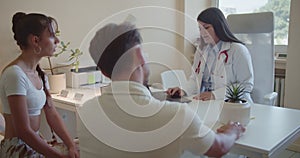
<point>237,68</point>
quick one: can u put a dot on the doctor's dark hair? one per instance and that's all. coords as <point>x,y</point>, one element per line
<point>216,18</point>
<point>32,24</point>
<point>119,45</point>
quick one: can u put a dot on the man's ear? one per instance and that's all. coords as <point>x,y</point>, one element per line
<point>139,55</point>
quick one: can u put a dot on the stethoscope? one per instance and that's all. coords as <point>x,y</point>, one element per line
<point>197,70</point>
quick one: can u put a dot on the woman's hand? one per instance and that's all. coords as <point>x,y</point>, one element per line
<point>205,96</point>
<point>172,91</point>
<point>73,152</point>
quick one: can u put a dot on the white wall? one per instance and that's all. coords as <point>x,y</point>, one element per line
<point>292,82</point>
<point>161,25</point>
<point>191,30</point>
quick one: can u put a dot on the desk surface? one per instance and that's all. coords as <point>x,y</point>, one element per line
<point>272,130</point>
<point>269,132</point>
<point>69,102</point>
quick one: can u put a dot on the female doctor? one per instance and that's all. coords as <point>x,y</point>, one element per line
<point>219,60</point>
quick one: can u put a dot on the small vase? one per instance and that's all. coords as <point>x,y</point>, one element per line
<point>57,82</point>
<point>236,112</point>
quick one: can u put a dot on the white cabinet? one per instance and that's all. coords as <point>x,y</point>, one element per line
<point>66,107</point>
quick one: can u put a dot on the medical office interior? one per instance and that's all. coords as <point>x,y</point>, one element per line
<point>169,30</point>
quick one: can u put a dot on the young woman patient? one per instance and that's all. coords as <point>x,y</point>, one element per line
<point>23,92</point>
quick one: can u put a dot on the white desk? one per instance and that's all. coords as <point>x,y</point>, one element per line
<point>270,131</point>
<point>66,107</point>
<point>69,103</point>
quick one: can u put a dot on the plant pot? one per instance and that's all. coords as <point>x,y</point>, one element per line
<point>57,82</point>
<point>236,112</point>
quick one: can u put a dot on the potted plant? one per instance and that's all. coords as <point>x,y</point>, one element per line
<point>235,107</point>
<point>57,81</point>
<point>235,93</point>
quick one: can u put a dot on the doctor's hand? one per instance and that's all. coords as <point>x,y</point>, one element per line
<point>172,91</point>
<point>205,96</point>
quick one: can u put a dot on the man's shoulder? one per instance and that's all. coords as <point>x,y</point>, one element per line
<point>91,101</point>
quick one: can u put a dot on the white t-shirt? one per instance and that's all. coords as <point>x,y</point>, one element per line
<point>127,122</point>
<point>14,81</point>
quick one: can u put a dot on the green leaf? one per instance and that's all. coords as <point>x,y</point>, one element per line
<point>235,92</point>
<point>73,54</point>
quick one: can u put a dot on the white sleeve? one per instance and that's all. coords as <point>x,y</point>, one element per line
<point>14,82</point>
<point>243,69</point>
<point>198,138</point>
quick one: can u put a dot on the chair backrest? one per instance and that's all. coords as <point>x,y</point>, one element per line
<point>256,31</point>
<point>173,78</point>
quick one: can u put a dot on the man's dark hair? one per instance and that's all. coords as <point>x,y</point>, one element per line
<point>123,37</point>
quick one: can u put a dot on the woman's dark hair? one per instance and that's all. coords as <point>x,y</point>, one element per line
<point>31,24</point>
<point>216,18</point>
<point>42,75</point>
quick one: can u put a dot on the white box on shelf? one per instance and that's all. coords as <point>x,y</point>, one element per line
<point>83,77</point>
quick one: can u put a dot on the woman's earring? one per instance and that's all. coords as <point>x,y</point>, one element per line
<point>37,50</point>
